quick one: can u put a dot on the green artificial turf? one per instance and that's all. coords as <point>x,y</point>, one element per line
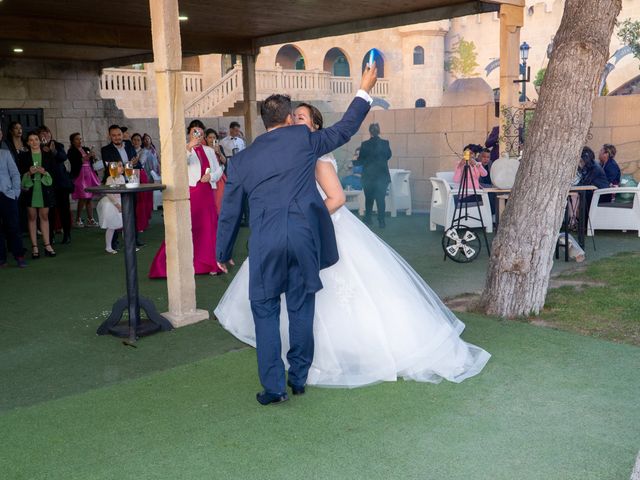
<point>549,405</point>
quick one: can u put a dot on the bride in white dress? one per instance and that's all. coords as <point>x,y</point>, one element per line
<point>376,319</point>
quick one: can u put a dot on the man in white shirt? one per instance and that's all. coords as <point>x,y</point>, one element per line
<point>234,142</point>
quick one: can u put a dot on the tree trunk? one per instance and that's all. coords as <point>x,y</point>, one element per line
<point>522,252</point>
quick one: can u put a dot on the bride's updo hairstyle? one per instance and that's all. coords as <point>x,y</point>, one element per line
<point>314,114</point>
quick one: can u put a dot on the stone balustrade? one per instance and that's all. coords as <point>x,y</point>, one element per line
<point>303,85</point>
<point>123,80</point>
<point>114,81</point>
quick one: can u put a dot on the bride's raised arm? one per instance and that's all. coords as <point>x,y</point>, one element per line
<point>330,183</point>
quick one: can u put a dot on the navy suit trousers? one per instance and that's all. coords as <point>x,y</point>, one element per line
<point>266,316</point>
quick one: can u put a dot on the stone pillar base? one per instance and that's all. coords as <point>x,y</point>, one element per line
<point>182,320</point>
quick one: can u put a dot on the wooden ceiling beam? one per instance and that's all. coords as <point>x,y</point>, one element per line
<point>391,21</point>
<point>64,32</point>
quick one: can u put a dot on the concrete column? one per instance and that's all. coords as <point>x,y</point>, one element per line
<point>249,92</point>
<point>167,53</point>
<point>511,21</point>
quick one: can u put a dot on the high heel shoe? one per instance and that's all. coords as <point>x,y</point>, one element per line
<point>35,254</point>
<point>49,253</point>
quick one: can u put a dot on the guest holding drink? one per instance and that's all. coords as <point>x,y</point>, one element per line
<point>37,192</point>
<point>204,171</point>
<point>83,176</point>
<point>110,207</point>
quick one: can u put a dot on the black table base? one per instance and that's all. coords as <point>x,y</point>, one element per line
<point>144,326</point>
<point>132,302</point>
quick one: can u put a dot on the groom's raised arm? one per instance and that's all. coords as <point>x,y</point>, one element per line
<point>328,139</point>
<point>230,214</point>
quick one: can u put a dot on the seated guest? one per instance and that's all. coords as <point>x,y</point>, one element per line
<point>609,164</point>
<point>591,173</point>
<point>485,160</point>
<point>353,181</point>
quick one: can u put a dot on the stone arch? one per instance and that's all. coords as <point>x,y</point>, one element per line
<point>227,62</point>
<point>290,57</point>
<point>337,63</point>
<point>379,59</point>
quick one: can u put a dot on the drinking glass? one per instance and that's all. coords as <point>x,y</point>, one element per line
<point>113,172</point>
<point>128,170</point>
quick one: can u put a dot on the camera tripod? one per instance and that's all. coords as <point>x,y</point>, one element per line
<point>459,242</point>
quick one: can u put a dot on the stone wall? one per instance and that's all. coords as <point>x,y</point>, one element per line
<point>418,141</point>
<point>69,94</point>
<point>616,120</point>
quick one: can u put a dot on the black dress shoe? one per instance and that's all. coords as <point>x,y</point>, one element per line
<point>265,398</point>
<point>296,389</point>
<point>139,243</point>
<point>66,240</point>
<point>382,224</point>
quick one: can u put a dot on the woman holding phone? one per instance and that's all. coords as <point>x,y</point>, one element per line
<point>38,196</point>
<point>204,171</point>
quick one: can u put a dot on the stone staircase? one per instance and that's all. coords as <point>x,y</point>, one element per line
<point>135,90</point>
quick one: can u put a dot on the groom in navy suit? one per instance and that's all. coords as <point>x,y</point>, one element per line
<point>292,236</point>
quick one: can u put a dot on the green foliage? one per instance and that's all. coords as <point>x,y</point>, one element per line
<point>462,63</point>
<point>540,77</point>
<point>629,34</point>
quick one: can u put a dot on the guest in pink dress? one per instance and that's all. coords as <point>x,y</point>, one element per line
<point>212,141</point>
<point>144,200</point>
<point>204,171</point>
<point>477,171</point>
<point>81,159</point>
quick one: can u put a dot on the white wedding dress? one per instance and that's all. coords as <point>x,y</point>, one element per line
<point>375,319</point>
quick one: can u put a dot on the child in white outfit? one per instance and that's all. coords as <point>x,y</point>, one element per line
<point>110,210</point>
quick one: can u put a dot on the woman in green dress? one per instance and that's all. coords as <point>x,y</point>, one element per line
<point>37,192</point>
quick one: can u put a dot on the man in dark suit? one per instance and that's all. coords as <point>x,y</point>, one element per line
<point>119,150</point>
<point>374,158</point>
<point>292,235</point>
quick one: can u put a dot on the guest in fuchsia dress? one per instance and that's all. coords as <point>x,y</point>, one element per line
<point>204,172</point>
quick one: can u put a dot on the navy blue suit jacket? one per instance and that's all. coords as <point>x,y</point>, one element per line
<point>289,221</point>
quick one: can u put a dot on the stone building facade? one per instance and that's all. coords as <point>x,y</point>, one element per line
<point>412,61</point>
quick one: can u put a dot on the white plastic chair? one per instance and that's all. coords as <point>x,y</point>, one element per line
<point>443,207</point>
<point>447,176</point>
<point>353,199</point>
<point>614,216</point>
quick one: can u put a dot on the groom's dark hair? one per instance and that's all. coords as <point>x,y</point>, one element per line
<point>275,109</point>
